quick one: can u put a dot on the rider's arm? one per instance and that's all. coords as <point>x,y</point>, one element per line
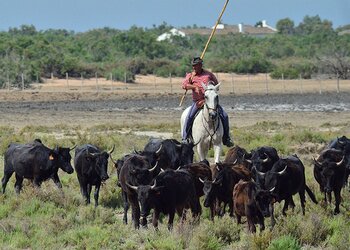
<point>188,84</point>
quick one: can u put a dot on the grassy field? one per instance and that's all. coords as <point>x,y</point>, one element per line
<point>47,218</point>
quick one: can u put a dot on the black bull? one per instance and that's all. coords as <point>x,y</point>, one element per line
<point>343,144</point>
<point>286,178</point>
<point>330,172</point>
<point>172,191</point>
<point>36,162</point>
<point>91,167</point>
<point>170,152</point>
<point>135,170</point>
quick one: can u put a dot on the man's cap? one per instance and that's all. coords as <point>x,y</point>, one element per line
<point>196,60</point>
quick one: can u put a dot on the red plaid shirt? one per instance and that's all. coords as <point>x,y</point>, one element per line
<point>197,80</point>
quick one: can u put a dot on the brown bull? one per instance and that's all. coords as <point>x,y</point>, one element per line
<point>244,204</point>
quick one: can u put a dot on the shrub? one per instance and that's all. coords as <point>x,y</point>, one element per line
<point>253,65</point>
<point>293,70</point>
<point>288,73</point>
<point>284,242</point>
<point>122,75</point>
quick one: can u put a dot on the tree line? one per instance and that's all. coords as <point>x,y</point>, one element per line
<point>312,47</point>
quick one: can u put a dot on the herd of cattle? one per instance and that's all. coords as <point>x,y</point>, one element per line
<point>163,177</point>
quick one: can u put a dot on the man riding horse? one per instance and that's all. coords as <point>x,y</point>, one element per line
<point>193,81</point>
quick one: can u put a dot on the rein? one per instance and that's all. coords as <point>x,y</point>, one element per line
<point>205,121</point>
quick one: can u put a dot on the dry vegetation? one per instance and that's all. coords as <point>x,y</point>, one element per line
<point>231,83</point>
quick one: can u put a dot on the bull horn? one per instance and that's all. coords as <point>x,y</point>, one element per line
<point>235,162</point>
<point>341,161</point>
<point>152,169</point>
<point>92,154</point>
<point>154,185</point>
<point>178,145</point>
<point>160,148</point>
<point>215,181</point>
<point>136,152</point>
<point>111,151</point>
<point>162,170</point>
<point>317,162</point>
<point>131,186</point>
<point>339,141</point>
<point>262,174</point>
<point>249,161</point>
<point>272,189</point>
<point>178,168</point>
<point>265,159</point>
<point>200,179</point>
<point>75,145</point>
<point>110,156</point>
<point>284,170</point>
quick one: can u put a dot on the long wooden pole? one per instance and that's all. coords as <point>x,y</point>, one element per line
<point>213,31</point>
<point>207,44</point>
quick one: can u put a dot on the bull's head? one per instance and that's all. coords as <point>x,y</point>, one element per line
<point>61,158</point>
<point>328,171</point>
<point>259,161</point>
<point>210,189</point>
<point>265,200</point>
<point>272,180</point>
<point>146,195</point>
<point>99,161</point>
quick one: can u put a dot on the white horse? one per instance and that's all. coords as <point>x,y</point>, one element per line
<point>207,127</point>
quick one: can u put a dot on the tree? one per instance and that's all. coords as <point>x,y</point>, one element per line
<point>258,24</point>
<point>285,26</point>
<point>336,59</point>
<point>314,24</point>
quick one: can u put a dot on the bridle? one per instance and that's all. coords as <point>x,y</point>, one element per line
<point>213,120</point>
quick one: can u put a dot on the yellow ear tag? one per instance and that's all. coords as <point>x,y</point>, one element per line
<point>51,158</point>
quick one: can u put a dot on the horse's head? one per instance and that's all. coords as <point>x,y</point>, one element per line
<point>211,99</point>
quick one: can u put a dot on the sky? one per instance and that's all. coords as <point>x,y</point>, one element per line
<point>84,15</point>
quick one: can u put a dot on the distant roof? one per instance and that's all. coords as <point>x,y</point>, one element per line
<point>344,32</point>
<point>168,35</point>
<point>235,29</point>
<point>222,29</point>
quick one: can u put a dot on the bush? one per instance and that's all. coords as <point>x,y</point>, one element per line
<point>121,75</point>
<point>253,65</point>
<point>288,73</point>
<point>285,242</point>
<point>294,70</point>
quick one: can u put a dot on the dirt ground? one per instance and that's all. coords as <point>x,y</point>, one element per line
<point>31,107</point>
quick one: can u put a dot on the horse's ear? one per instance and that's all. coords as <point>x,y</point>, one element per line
<point>217,86</point>
<point>204,86</point>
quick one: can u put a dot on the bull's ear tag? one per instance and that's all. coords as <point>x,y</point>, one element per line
<point>51,157</point>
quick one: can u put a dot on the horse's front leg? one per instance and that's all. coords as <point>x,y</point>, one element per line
<point>202,150</point>
<point>217,152</point>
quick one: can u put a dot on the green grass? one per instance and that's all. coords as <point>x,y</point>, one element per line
<point>49,219</point>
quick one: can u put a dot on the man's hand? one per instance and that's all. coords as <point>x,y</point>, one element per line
<point>196,89</point>
<point>200,103</point>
